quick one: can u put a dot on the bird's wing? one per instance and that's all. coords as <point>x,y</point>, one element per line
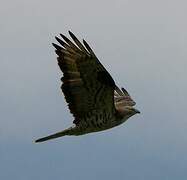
<point>122,98</point>
<point>87,86</point>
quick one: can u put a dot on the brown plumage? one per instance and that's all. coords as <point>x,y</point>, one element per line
<point>92,96</point>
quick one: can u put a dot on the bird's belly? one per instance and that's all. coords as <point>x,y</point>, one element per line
<point>96,125</point>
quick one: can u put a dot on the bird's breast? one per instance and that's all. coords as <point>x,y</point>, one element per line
<point>97,123</point>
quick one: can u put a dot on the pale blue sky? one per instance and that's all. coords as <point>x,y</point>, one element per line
<point>141,43</point>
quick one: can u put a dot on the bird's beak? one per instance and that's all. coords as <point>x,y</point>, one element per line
<point>137,111</point>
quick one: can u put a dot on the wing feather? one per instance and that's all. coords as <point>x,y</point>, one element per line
<point>87,86</point>
<point>88,48</point>
<point>122,98</point>
<point>77,42</point>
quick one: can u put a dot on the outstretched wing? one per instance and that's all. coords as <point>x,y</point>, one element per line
<point>122,98</point>
<point>87,86</point>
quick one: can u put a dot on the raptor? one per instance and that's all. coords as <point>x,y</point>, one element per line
<point>93,97</point>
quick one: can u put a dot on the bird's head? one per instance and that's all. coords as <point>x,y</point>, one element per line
<point>128,111</point>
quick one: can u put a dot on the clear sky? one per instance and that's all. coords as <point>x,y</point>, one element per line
<point>141,43</point>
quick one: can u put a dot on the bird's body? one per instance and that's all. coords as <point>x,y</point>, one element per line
<point>93,98</point>
<point>93,123</point>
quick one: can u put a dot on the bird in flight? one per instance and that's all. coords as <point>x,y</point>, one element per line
<point>93,98</point>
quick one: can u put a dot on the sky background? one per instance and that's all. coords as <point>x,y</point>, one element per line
<point>141,43</point>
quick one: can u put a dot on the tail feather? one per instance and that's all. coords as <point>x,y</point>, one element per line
<point>53,136</point>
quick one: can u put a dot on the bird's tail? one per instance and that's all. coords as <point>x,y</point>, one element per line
<point>56,135</point>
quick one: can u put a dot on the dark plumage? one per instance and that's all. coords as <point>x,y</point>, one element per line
<point>92,96</point>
